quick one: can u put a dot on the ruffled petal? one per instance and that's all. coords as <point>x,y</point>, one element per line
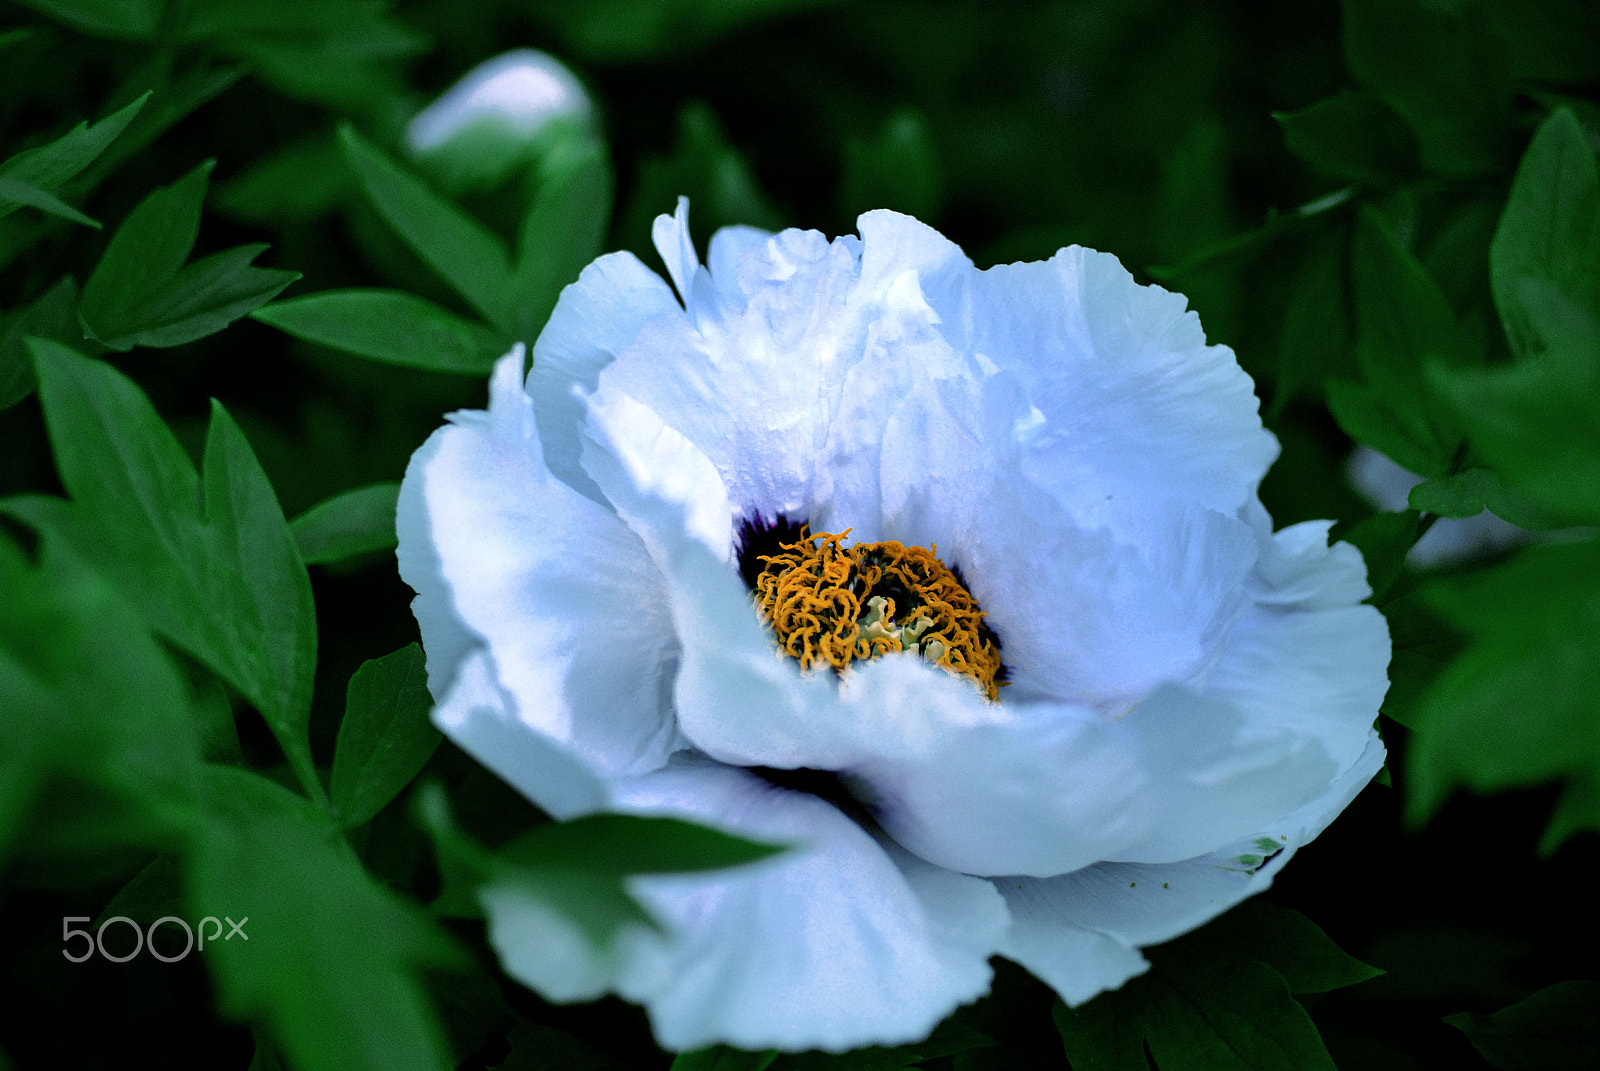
<point>1125,383</point>
<point>837,944</point>
<point>1301,679</point>
<point>1085,613</point>
<point>738,699</point>
<point>1080,931</point>
<point>558,592</point>
<point>595,319</point>
<point>482,720</point>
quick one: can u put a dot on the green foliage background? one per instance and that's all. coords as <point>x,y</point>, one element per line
<point>1388,208</point>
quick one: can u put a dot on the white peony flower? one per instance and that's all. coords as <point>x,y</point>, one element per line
<point>1162,699</point>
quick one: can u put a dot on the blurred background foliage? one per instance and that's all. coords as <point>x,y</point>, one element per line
<point>1388,208</point>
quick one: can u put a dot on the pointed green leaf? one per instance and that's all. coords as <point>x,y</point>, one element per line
<point>1218,999</point>
<point>385,737</point>
<point>1402,322</point>
<point>1351,137</point>
<point>266,601</point>
<point>389,326</point>
<point>723,1058</point>
<point>632,844</point>
<point>54,315</point>
<point>348,525</point>
<point>98,748</point>
<point>212,564</point>
<point>133,20</point>
<point>47,167</point>
<point>327,960</point>
<point>1469,493</point>
<point>202,299</point>
<point>460,249</point>
<point>1290,944</point>
<point>1520,705</point>
<point>142,294</point>
<point>1550,233</point>
<point>595,907</point>
<point>1556,1028</point>
<point>1443,70</point>
<point>1535,421</point>
<point>562,231</point>
<point>15,193</point>
<point>146,252</point>
<point>301,181</point>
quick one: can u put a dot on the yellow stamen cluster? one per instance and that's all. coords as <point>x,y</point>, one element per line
<point>834,604</point>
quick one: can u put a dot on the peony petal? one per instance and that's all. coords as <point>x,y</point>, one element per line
<point>1077,931</point>
<point>1123,377</point>
<point>1303,672</point>
<point>737,698</point>
<point>1039,789</point>
<point>562,596</point>
<point>482,720</point>
<point>1085,614</point>
<point>595,319</point>
<point>837,944</point>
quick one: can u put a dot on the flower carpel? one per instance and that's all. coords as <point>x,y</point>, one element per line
<point>832,604</point>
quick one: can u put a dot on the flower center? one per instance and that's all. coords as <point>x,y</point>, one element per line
<point>833,604</point>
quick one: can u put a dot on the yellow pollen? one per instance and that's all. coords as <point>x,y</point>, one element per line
<point>834,604</point>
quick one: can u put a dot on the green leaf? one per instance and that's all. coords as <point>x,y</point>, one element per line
<point>211,561</point>
<point>385,737</point>
<point>302,181</point>
<point>1443,70</point>
<point>1314,346</point>
<point>1218,999</point>
<point>98,749</point>
<point>348,525</point>
<point>142,294</point>
<point>1290,944</point>
<point>1351,137</point>
<point>595,905</point>
<point>723,1058</point>
<point>134,20</point>
<point>327,958</point>
<point>1423,646</point>
<point>54,315</point>
<point>1402,322</point>
<point>1364,414</point>
<point>1469,493</point>
<point>1555,1029</point>
<point>1195,1019</point>
<point>633,844</point>
<point>576,870</point>
<point>337,52</point>
<point>1535,423</point>
<point>32,177</point>
<point>390,326</point>
<point>459,248</point>
<point>562,231</point>
<point>15,193</point>
<point>1550,232</point>
<point>1519,706</point>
